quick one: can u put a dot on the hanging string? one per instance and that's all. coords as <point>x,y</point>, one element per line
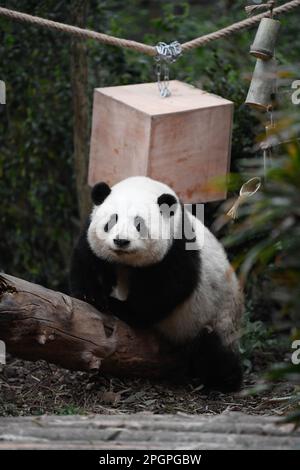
<point>268,143</point>
<point>253,185</point>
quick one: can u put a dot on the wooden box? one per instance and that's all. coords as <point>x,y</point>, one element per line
<point>183,140</point>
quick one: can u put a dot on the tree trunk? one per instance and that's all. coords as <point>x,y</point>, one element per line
<point>79,83</point>
<point>38,323</point>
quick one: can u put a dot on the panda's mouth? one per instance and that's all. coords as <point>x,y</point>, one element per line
<point>120,252</point>
<point>123,252</point>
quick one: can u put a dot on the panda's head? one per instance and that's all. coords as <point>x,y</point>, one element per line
<point>134,222</point>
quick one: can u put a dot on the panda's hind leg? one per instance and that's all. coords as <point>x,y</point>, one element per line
<point>216,365</point>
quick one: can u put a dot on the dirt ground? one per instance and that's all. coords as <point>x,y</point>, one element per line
<point>34,388</point>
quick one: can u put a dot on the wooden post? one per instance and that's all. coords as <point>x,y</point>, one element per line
<point>81,132</point>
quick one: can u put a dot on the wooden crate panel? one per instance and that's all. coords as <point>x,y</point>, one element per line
<point>183,140</point>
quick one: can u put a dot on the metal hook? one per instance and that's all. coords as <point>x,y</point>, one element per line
<point>166,54</point>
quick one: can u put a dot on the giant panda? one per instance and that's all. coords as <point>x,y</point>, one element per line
<point>144,258</point>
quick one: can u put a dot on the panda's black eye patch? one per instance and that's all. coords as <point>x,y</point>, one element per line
<point>140,225</point>
<point>112,221</point>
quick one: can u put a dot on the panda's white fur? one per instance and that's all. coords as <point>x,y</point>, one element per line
<point>216,303</point>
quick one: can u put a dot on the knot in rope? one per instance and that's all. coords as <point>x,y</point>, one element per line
<point>250,9</point>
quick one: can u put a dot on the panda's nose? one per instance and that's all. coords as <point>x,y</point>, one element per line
<point>121,242</point>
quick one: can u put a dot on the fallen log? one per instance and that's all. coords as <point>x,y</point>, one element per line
<point>39,323</point>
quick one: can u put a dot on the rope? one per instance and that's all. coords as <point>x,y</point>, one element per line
<point>78,32</point>
<point>138,46</point>
<point>250,9</point>
<point>223,33</point>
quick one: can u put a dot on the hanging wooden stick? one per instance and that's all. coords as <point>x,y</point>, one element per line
<point>267,144</point>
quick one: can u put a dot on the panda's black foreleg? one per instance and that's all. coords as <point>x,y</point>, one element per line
<point>124,311</point>
<point>216,365</point>
<point>119,309</point>
<point>84,287</point>
<point>85,281</point>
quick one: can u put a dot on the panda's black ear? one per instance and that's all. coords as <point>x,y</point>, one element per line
<point>167,204</point>
<point>99,193</point>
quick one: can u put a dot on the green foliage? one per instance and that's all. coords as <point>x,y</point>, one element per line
<point>267,237</point>
<point>70,410</point>
<point>37,191</point>
<point>270,226</point>
<point>255,336</point>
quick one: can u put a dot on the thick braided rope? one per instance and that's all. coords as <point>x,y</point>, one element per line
<point>137,46</point>
<point>78,32</point>
<point>223,33</point>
